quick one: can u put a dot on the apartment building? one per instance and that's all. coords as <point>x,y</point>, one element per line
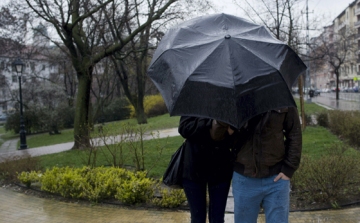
<point>346,24</point>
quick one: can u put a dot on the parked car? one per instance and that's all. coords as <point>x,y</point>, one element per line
<point>333,89</point>
<point>356,89</point>
<point>348,89</point>
<point>3,118</point>
<point>295,90</point>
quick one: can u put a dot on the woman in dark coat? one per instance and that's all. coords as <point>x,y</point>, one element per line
<point>207,166</point>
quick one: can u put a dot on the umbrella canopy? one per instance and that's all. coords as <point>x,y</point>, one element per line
<point>224,67</point>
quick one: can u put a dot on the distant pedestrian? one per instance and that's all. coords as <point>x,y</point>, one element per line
<point>269,153</point>
<point>207,167</point>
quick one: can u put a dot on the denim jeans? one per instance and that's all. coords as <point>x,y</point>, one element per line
<point>251,193</point>
<point>196,196</point>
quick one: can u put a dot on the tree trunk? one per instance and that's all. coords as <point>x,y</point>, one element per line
<point>140,112</point>
<point>81,122</point>
<point>302,109</point>
<point>337,85</point>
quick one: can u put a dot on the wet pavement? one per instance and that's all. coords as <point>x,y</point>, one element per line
<point>19,207</point>
<point>347,101</point>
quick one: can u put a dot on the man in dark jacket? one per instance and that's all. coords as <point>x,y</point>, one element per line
<point>269,150</point>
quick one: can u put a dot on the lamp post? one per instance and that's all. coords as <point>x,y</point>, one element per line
<point>19,67</point>
<point>102,108</point>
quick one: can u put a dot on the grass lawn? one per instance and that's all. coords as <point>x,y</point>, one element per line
<point>111,128</point>
<point>2,129</point>
<point>154,163</point>
<point>310,108</point>
<point>315,141</point>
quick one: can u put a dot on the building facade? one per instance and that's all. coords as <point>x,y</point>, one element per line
<point>347,24</point>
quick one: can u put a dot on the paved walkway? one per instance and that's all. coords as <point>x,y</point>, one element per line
<point>18,207</point>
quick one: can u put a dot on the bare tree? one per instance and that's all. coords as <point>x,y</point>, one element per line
<point>337,49</point>
<point>282,18</point>
<point>132,62</point>
<point>79,26</point>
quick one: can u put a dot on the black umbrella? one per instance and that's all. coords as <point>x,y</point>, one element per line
<point>224,67</point>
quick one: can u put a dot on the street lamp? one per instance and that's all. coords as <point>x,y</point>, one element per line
<point>102,108</point>
<point>19,68</point>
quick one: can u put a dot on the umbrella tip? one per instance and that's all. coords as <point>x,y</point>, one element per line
<point>227,36</point>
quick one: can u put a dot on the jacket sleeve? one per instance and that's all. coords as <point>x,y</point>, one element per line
<point>293,142</point>
<point>194,128</point>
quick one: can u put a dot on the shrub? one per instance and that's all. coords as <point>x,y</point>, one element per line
<point>308,119</point>
<point>104,182</point>
<point>346,125</point>
<point>118,109</point>
<point>338,120</point>
<point>323,119</point>
<point>93,184</point>
<point>353,126</point>
<point>154,105</point>
<point>137,189</point>
<point>11,167</point>
<point>32,122</point>
<point>40,119</point>
<point>30,177</point>
<point>170,198</point>
<point>68,182</point>
<point>89,183</point>
<point>328,178</point>
<point>67,116</point>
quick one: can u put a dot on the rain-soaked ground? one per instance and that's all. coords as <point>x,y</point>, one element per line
<point>18,207</point>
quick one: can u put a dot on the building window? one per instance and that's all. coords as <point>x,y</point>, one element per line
<point>14,78</point>
<point>32,65</point>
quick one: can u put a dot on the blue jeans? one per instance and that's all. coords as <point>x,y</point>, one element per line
<point>196,196</point>
<point>251,193</point>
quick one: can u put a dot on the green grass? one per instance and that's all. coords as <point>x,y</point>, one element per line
<point>2,129</point>
<point>315,141</point>
<point>77,158</point>
<point>6,135</point>
<point>111,128</point>
<point>310,108</point>
<point>45,139</point>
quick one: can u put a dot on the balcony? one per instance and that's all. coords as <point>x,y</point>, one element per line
<point>343,24</point>
<point>357,24</point>
<point>357,11</point>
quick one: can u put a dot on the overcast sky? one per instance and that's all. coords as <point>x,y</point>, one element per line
<point>330,9</point>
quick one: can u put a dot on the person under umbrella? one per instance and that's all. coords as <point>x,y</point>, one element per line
<point>208,167</point>
<point>227,71</point>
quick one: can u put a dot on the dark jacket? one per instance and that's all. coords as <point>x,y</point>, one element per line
<point>270,143</point>
<point>205,159</point>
